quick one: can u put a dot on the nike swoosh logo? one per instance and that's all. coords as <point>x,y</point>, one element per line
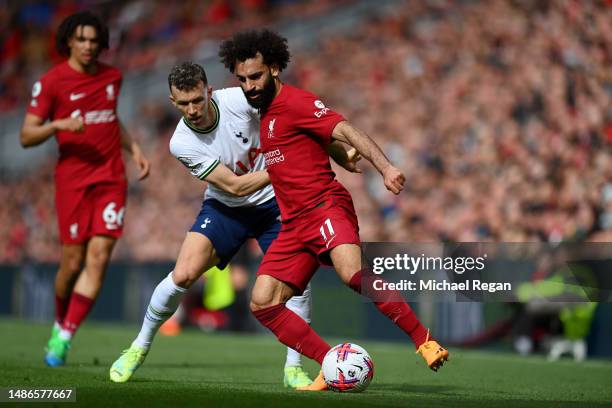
<point>74,97</point>
<point>330,241</point>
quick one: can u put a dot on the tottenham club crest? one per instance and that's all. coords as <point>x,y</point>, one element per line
<point>239,136</point>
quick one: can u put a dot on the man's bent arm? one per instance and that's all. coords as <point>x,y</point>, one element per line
<point>345,132</point>
<point>240,186</point>
<point>35,131</point>
<point>345,158</point>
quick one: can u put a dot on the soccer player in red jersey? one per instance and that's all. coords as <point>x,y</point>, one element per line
<point>79,97</point>
<point>319,221</point>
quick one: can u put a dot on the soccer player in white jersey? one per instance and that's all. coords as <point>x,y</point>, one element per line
<point>217,139</point>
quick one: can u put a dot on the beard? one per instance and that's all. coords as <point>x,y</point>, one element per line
<point>266,95</point>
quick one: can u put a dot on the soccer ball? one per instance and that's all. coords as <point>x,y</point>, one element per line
<point>347,367</point>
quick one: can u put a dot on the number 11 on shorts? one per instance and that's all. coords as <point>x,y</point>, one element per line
<point>330,230</point>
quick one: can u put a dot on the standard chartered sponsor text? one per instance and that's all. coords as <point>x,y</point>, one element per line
<point>273,157</point>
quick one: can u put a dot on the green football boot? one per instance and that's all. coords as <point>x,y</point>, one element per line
<point>296,377</point>
<point>122,369</point>
<point>56,350</point>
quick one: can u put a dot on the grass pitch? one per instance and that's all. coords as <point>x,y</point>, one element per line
<point>218,370</point>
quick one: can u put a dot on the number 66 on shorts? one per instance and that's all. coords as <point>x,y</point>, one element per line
<point>98,209</point>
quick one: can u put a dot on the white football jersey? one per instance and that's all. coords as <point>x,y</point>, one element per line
<point>232,141</point>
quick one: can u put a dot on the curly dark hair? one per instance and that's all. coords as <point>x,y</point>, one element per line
<point>70,23</point>
<point>247,44</point>
<point>186,76</point>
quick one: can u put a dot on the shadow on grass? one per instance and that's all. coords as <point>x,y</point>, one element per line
<point>171,365</point>
<point>416,389</point>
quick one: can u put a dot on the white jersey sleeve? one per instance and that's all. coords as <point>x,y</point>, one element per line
<point>185,147</point>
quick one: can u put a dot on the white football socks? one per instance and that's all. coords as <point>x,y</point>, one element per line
<point>167,296</point>
<point>300,305</point>
<point>164,302</point>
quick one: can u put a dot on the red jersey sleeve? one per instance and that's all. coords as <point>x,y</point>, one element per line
<point>43,96</point>
<point>314,118</point>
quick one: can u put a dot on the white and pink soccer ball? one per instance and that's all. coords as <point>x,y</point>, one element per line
<point>347,367</point>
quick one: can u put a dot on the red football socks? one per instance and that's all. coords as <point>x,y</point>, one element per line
<point>293,331</point>
<point>396,309</point>
<point>61,307</point>
<point>79,308</point>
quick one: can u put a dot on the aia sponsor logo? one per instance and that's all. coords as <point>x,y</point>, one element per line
<point>322,109</point>
<point>194,168</point>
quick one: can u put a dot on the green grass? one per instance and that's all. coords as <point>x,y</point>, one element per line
<point>214,370</point>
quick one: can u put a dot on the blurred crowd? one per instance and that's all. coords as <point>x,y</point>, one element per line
<point>144,34</point>
<point>499,112</point>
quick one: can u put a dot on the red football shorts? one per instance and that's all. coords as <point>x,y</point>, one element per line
<point>304,243</point>
<point>94,210</point>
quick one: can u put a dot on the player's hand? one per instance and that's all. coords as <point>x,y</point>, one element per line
<point>144,166</point>
<point>394,179</point>
<point>352,158</point>
<point>70,124</point>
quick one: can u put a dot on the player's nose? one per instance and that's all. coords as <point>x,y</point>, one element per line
<point>250,85</point>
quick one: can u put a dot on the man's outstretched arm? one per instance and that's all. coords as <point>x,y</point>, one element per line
<point>345,132</point>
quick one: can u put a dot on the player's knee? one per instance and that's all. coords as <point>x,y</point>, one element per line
<point>255,306</point>
<point>185,275</point>
<point>347,276</point>
<point>98,258</point>
<point>269,292</point>
<point>259,302</point>
<point>72,263</point>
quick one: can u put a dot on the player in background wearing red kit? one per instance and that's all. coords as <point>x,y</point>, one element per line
<point>79,97</point>
<point>319,221</point>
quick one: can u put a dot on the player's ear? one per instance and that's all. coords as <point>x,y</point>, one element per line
<point>172,99</point>
<point>274,71</point>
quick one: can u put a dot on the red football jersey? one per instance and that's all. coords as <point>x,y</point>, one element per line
<point>94,155</point>
<point>295,130</point>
